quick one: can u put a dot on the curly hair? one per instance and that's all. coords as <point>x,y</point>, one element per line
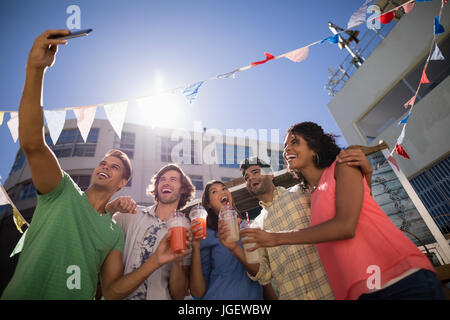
<point>187,188</point>
<point>323,144</point>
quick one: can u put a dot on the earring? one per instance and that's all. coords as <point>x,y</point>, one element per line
<point>316,159</point>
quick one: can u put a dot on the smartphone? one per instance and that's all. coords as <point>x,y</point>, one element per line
<point>73,34</point>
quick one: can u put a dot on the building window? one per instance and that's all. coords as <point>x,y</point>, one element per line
<point>226,179</point>
<point>82,181</point>
<point>391,107</point>
<point>276,163</point>
<point>165,147</point>
<point>19,162</point>
<point>126,143</point>
<point>197,181</point>
<point>230,156</point>
<point>71,144</point>
<point>28,191</point>
<point>433,188</point>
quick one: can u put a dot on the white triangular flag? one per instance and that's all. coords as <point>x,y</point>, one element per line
<point>298,55</point>
<point>402,136</point>
<point>116,113</point>
<point>4,199</point>
<point>85,118</point>
<point>228,75</point>
<point>437,54</point>
<point>19,245</point>
<point>19,220</point>
<point>359,17</point>
<point>13,125</point>
<point>55,122</point>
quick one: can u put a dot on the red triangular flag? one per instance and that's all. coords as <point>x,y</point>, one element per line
<point>392,160</point>
<point>399,150</point>
<point>268,57</point>
<point>424,78</point>
<point>410,102</point>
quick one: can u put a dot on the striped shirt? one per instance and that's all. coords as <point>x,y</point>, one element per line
<point>294,270</point>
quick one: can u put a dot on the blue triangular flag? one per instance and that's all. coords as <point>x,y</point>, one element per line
<point>423,0</point>
<point>191,91</point>
<point>332,39</point>
<point>438,28</point>
<point>404,120</point>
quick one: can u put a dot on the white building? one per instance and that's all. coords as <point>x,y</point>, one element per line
<point>370,104</point>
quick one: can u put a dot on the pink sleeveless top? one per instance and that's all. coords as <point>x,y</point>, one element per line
<point>377,242</point>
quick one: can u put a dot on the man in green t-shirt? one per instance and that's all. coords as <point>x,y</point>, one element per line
<point>72,239</point>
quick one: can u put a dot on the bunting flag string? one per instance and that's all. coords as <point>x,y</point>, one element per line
<point>190,92</point>
<point>13,125</point>
<point>394,162</point>
<point>268,57</point>
<point>55,122</point>
<point>359,17</point>
<point>297,55</point>
<point>19,220</point>
<point>389,15</point>
<point>424,78</point>
<point>438,28</point>
<point>331,39</point>
<point>400,151</point>
<point>437,55</point>
<point>404,120</point>
<point>433,54</point>
<point>116,111</point>
<point>85,118</point>
<point>409,6</point>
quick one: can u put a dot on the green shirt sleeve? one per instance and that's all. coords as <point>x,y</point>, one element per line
<point>120,243</point>
<point>56,192</point>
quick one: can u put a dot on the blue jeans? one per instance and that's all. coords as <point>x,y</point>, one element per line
<point>421,285</point>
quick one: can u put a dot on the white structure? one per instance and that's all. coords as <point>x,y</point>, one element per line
<point>149,150</point>
<point>370,104</point>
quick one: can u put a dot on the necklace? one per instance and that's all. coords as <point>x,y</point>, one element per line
<point>314,186</point>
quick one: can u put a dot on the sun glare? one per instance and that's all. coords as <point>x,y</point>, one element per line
<point>162,108</point>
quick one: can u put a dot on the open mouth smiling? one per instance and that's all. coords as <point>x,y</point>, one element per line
<point>104,175</point>
<point>224,200</point>
<point>290,157</point>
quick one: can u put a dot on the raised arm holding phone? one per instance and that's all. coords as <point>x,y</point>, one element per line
<point>70,240</point>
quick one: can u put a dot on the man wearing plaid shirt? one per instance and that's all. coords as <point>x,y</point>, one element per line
<point>295,271</point>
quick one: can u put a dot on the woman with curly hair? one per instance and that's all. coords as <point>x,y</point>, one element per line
<point>365,256</point>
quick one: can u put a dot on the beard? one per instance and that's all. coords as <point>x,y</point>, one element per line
<point>174,197</point>
<point>263,187</point>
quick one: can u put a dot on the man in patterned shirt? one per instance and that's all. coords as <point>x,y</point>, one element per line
<point>295,271</point>
<point>171,189</point>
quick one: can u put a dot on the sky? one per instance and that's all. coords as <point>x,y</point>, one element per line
<point>138,48</point>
